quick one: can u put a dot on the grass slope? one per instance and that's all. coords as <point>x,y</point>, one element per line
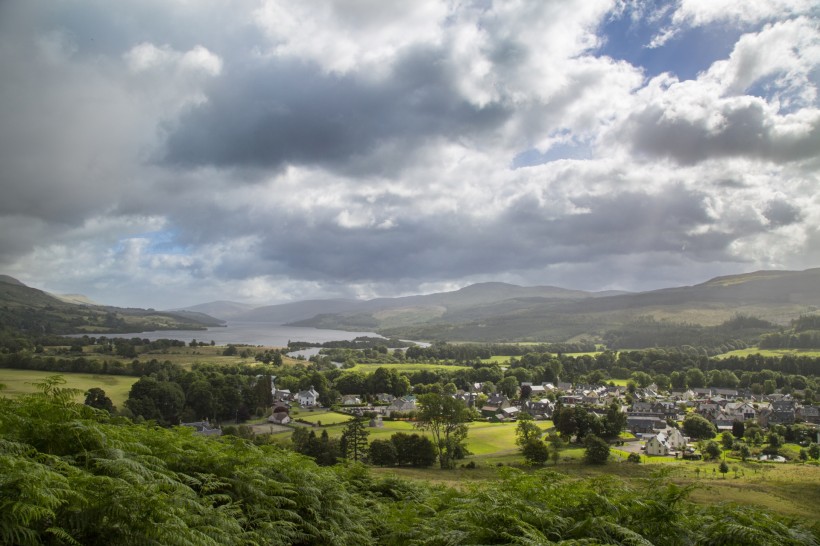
<point>116,387</point>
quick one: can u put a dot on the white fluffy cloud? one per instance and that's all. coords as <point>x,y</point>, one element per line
<point>163,154</point>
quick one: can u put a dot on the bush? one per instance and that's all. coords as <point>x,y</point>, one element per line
<point>633,458</point>
<point>535,452</point>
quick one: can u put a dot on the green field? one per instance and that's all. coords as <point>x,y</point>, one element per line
<point>116,387</point>
<point>501,359</point>
<point>772,352</point>
<point>405,367</point>
<point>323,417</point>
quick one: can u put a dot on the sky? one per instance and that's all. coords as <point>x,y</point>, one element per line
<point>165,153</point>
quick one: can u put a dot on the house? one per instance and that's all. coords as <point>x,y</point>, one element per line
<point>665,442</point>
<point>809,414</point>
<point>279,418</point>
<point>498,400</point>
<point>203,427</point>
<point>308,398</point>
<point>723,420</point>
<point>283,395</point>
<point>539,408</point>
<point>644,424</point>
<point>405,404</point>
<point>351,400</point>
<point>741,411</point>
<point>385,398</point>
<point>657,445</point>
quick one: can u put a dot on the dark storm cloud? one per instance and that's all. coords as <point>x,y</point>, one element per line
<point>277,112</point>
<point>781,213</point>
<point>745,130</point>
<point>524,237</point>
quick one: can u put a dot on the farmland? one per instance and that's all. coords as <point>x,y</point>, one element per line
<point>116,387</point>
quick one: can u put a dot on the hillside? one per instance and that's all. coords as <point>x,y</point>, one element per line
<point>28,310</point>
<point>506,313</point>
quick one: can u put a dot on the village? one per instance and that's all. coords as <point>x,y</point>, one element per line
<point>655,423</point>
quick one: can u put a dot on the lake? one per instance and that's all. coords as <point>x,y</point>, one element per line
<point>248,333</point>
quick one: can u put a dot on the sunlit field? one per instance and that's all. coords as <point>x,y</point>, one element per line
<point>771,352</point>
<point>116,387</point>
<point>405,367</point>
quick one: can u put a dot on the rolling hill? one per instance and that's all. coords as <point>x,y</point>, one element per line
<point>495,312</point>
<point>28,310</point>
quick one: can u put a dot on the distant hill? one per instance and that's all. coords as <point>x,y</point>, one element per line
<point>295,311</point>
<point>26,310</point>
<point>221,309</point>
<point>499,312</point>
<point>75,298</point>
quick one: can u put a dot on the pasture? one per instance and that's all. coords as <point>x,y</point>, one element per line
<point>814,353</point>
<point>408,367</point>
<point>116,387</point>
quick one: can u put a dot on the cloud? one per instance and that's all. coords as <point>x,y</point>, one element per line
<point>167,153</point>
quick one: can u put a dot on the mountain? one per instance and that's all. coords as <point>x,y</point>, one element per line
<point>222,309</point>
<point>296,311</point>
<point>400,310</point>
<point>499,312</point>
<point>31,311</point>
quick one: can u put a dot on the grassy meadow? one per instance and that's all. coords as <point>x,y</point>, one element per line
<point>405,367</point>
<point>116,387</point>
<point>771,352</point>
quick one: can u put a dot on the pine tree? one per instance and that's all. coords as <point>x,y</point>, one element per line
<point>354,440</point>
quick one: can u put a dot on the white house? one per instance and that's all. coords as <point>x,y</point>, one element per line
<point>665,442</point>
<point>308,398</point>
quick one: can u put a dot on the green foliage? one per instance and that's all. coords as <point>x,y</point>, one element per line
<point>596,450</point>
<point>698,427</point>
<point>70,474</point>
<point>535,451</point>
<point>445,418</point>
<point>712,450</point>
<point>526,431</point>
<point>413,449</point>
<point>354,440</point>
<point>382,453</point>
<point>96,398</point>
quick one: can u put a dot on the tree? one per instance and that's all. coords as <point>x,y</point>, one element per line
<point>509,386</point>
<point>712,450</point>
<point>96,398</point>
<point>814,451</point>
<point>744,452</point>
<point>445,418</point>
<point>695,378</point>
<point>724,468</point>
<point>596,450</point>
<point>698,427</point>
<point>614,421</point>
<point>159,400</point>
<point>535,451</point>
<point>382,453</point>
<point>413,449</point>
<point>727,440</point>
<point>354,439</point>
<point>738,428</point>
<point>526,430</point>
